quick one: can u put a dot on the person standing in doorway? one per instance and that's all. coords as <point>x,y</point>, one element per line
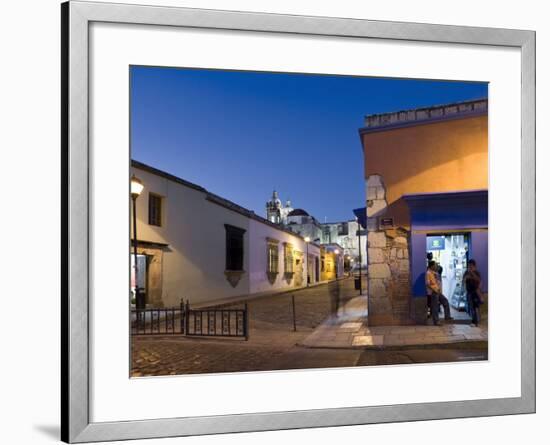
<point>433,290</point>
<point>472,282</point>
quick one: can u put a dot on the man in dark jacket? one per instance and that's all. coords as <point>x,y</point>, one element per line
<point>472,282</point>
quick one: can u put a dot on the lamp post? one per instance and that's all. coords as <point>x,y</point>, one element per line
<point>136,186</point>
<point>307,239</point>
<point>337,253</point>
<point>360,257</point>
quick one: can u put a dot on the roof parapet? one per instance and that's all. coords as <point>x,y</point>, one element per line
<point>426,114</point>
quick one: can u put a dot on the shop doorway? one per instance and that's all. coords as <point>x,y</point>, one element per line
<point>451,252</point>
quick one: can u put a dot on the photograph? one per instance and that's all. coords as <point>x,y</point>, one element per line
<point>246,222</point>
<point>284,221</point>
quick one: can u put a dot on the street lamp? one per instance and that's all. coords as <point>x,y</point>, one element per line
<point>136,187</point>
<point>307,239</point>
<point>337,253</point>
<point>360,257</point>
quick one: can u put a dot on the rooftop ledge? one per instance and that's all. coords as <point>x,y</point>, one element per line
<point>374,122</point>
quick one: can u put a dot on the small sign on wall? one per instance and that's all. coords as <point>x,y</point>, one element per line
<point>385,222</point>
<point>436,243</point>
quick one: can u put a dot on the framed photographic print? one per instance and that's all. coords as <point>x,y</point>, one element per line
<point>292,222</point>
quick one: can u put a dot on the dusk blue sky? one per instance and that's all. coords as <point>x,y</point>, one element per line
<point>242,134</point>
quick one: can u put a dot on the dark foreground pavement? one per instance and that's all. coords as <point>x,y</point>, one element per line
<point>425,355</point>
<point>166,357</point>
<point>273,344</point>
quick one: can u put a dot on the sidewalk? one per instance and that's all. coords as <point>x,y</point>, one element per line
<point>349,330</point>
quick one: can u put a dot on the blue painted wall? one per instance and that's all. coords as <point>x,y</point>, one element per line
<point>448,211</point>
<point>479,251</point>
<point>453,210</point>
<point>418,263</point>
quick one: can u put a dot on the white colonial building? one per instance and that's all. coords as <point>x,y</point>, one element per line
<point>195,245</point>
<point>302,223</point>
<point>347,235</point>
<point>353,243</point>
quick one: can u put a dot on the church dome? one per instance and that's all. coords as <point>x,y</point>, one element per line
<point>298,212</point>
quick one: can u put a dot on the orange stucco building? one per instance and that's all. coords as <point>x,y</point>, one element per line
<point>421,153</point>
<point>445,155</point>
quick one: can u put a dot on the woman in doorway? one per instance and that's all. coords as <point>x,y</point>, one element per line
<point>472,282</point>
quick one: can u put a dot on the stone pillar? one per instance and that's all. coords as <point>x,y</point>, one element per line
<point>388,263</point>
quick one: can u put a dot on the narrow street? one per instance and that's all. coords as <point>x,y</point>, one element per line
<point>273,342</point>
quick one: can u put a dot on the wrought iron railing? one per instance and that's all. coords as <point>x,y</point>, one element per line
<point>217,321</point>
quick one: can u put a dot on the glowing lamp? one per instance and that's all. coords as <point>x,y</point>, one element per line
<point>136,186</point>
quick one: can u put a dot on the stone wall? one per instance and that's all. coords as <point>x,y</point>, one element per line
<point>389,288</point>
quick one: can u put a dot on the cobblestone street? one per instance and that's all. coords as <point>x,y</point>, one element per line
<point>274,345</point>
<point>272,342</point>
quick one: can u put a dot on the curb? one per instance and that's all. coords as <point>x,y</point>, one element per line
<point>462,344</point>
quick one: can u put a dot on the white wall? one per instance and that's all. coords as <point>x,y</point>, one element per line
<point>193,264</point>
<point>258,256</point>
<point>193,227</point>
<point>349,242</point>
<point>30,159</point>
<point>309,229</point>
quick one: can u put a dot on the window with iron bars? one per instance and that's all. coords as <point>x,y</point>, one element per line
<point>272,257</point>
<point>289,258</point>
<point>234,248</point>
<point>155,210</point>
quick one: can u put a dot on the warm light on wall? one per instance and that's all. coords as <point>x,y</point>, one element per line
<point>434,162</point>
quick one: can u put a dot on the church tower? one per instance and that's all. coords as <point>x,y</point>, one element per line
<point>273,208</point>
<point>275,212</point>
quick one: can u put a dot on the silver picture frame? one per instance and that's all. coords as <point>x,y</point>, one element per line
<point>75,396</point>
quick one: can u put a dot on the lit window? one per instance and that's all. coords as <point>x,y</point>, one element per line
<point>289,258</point>
<point>272,257</point>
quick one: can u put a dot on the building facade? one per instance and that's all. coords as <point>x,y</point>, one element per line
<point>353,243</point>
<point>197,246</point>
<point>344,233</point>
<point>426,173</point>
<point>332,262</point>
<point>302,223</point>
